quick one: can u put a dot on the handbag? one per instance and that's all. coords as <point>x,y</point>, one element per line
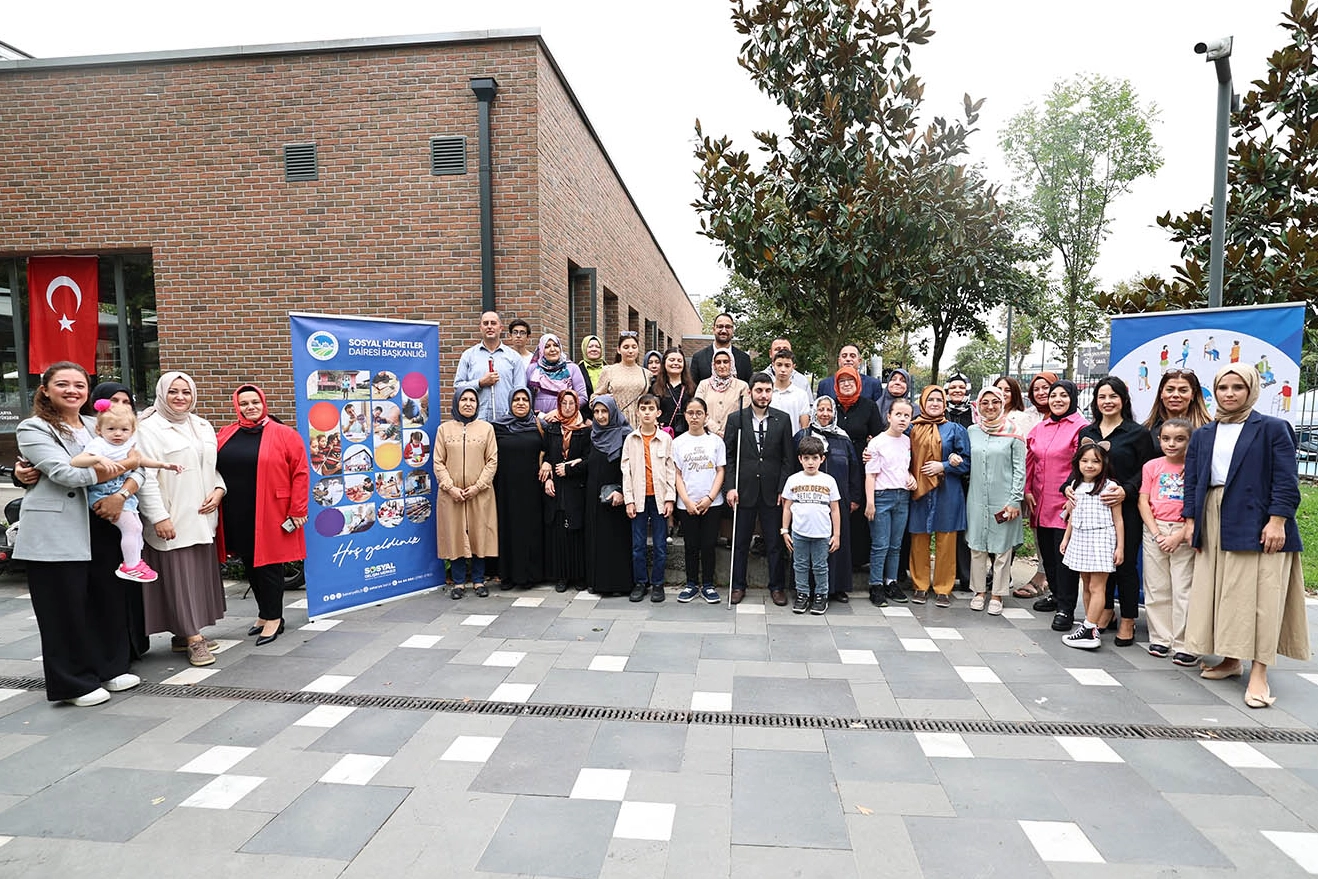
<point>606,492</point>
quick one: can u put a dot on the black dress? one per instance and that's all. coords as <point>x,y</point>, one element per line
<point>565,512</point>
<point>608,530</point>
<point>861,422</point>
<point>843,464</point>
<point>519,497</point>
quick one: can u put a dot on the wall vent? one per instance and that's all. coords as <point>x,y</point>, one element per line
<point>300,162</point>
<point>448,155</point>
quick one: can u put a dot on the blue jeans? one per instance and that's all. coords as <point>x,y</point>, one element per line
<point>810,554</point>
<point>459,567</point>
<point>649,521</point>
<point>891,506</point>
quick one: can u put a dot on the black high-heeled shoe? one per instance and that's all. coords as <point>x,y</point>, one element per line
<point>254,630</point>
<point>266,639</point>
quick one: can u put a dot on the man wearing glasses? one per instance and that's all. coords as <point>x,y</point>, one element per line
<point>519,338</point>
<point>702,362</point>
<point>492,369</point>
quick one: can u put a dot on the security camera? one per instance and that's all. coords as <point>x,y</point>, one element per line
<point>1216,50</point>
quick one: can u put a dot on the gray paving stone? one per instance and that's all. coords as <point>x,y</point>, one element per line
<point>563,629</point>
<point>247,724</point>
<point>334,644</point>
<point>105,804</point>
<point>801,643</point>
<point>404,670</point>
<point>880,639</point>
<point>1182,767</point>
<point>950,687</point>
<point>22,648</point>
<point>622,745</point>
<point>1208,812</point>
<point>269,672</point>
<point>942,845</point>
<point>754,860</point>
<point>699,846</point>
<point>992,789</point>
<point>1075,703</point>
<point>539,756</point>
<point>785,798</point>
<point>583,687</point>
<point>314,826</point>
<point>530,839</point>
<point>1167,685</point>
<point>734,647</point>
<point>60,754</point>
<point>865,755</point>
<point>665,653</point>
<point>770,739</point>
<point>1007,747</point>
<point>517,622</point>
<point>464,682</point>
<point>895,798</point>
<point>1016,668</point>
<point>419,609</point>
<point>41,718</point>
<point>793,696</point>
<point>371,731</point>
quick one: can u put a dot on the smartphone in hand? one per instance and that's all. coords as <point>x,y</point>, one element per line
<point>288,525</point>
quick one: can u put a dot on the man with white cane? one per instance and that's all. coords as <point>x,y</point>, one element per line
<point>492,369</point>
<point>759,465</point>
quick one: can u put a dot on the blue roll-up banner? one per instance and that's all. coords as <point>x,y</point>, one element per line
<point>364,389</point>
<point>1268,337</point>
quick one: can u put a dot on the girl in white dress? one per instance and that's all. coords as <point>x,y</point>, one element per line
<point>1092,544</point>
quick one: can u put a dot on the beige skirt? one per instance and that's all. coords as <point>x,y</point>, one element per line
<point>1245,605</point>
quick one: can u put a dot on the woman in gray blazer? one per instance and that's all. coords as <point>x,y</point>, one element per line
<point>80,605</point>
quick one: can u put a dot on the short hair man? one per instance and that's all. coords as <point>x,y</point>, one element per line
<point>850,356</point>
<point>702,362</point>
<point>787,396</point>
<point>519,337</point>
<point>797,379</point>
<point>492,369</point>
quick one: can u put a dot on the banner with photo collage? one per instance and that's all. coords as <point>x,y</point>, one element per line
<point>364,388</point>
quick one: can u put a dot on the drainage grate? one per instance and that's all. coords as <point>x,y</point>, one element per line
<point>722,718</point>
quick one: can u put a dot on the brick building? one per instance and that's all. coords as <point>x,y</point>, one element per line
<point>224,188</point>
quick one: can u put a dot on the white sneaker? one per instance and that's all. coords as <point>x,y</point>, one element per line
<point>95,697</point>
<point>1084,638</point>
<point>119,683</point>
<point>977,603</point>
<point>995,606</point>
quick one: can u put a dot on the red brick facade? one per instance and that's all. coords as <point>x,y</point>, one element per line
<point>183,158</point>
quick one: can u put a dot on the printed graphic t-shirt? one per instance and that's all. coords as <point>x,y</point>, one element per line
<point>810,497</point>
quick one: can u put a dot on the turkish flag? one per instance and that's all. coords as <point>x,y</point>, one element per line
<point>62,296</point>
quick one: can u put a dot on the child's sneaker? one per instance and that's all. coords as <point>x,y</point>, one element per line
<point>688,593</point>
<point>1084,637</point>
<point>820,604</point>
<point>802,603</point>
<point>710,594</point>
<point>877,596</point>
<point>141,572</point>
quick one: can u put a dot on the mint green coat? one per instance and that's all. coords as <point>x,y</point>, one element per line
<point>997,480</point>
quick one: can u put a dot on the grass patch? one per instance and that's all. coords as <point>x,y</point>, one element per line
<point>1307,518</point>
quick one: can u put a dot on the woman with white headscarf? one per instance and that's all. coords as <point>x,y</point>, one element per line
<point>181,509</point>
<point>1241,496</point>
<point>994,498</point>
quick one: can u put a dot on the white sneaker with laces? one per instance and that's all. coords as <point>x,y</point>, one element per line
<point>1085,638</point>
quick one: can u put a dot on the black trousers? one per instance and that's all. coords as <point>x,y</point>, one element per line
<point>267,583</point>
<point>82,612</point>
<point>1064,582</point>
<point>1124,584</point>
<point>770,518</point>
<point>699,533</point>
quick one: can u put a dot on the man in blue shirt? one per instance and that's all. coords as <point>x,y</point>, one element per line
<point>492,369</point>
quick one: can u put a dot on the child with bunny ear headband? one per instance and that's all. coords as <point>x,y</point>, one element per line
<point>115,443</point>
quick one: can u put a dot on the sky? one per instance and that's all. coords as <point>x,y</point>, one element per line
<point>645,72</point>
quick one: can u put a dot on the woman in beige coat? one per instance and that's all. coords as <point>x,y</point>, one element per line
<point>466,456</point>
<point>181,509</point>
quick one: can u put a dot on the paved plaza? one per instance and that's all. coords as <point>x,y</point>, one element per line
<point>654,740</point>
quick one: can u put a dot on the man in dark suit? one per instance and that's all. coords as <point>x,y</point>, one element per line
<point>759,446</point>
<point>869,386</point>
<point>702,362</point>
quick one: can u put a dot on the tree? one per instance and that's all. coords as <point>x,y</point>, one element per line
<point>978,359</point>
<point>1088,144</point>
<point>1271,252</point>
<point>832,225</point>
<point>708,309</point>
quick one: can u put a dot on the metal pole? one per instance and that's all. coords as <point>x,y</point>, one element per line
<point>1219,52</point>
<point>736,483</point>
<point>1006,359</point>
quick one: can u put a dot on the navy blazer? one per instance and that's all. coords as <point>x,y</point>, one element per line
<point>1262,481</point>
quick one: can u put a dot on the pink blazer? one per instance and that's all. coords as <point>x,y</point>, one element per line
<point>1048,452</point>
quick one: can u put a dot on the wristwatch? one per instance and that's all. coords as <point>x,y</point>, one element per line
<point>126,493</point>
<point>784,531</point>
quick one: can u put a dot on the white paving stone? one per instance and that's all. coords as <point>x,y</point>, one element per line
<point>504,658</point>
<point>652,821</point>
<point>471,749</point>
<point>300,604</point>
<point>1017,613</point>
<point>6,839</point>
<point>936,744</point>
<point>1089,749</point>
<point>585,595</point>
<point>324,716</point>
<point>920,645</point>
<point>857,657</point>
<point>943,634</point>
<point>751,609</point>
<point>512,692</point>
<point>1239,755</point>
<point>6,693</point>
<point>223,792</point>
<point>422,642</point>
<point>354,769</point>
<point>216,760</point>
<point>529,601</point>
<point>1093,677</point>
<point>1061,841</point>
<point>190,676</point>
<point>977,674</point>
<point>601,784</point>
<point>891,612</point>
<point>1302,848</point>
<point>320,625</point>
<point>480,619</point>
<point>328,684</point>
<point>606,662</point>
<point>708,701</point>
<point>1307,675</point>
<point>223,644</point>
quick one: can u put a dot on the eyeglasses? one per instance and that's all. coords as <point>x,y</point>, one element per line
<point>520,332</point>
<point>628,334</point>
<point>1179,373</point>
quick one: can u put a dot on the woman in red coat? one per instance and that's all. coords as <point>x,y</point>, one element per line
<point>264,466</point>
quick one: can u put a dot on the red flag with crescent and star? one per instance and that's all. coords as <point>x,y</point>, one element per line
<point>62,309</point>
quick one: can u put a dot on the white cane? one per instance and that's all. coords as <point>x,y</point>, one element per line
<point>736,482</point>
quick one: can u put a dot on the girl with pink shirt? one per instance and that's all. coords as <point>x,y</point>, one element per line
<point>888,485</point>
<point>1048,452</point>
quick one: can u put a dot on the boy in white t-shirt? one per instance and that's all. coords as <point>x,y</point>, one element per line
<point>812,525</point>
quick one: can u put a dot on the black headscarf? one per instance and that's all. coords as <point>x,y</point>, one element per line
<point>513,424</point>
<point>106,390</point>
<point>1068,386</point>
<point>457,416</point>
<point>608,438</point>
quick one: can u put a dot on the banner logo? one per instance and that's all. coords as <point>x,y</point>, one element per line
<point>322,345</point>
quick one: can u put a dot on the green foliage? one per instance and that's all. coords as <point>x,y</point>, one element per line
<point>836,222</point>
<point>1271,252</point>
<point>708,309</point>
<point>979,359</point>
<point>1307,520</point>
<point>1088,143</point>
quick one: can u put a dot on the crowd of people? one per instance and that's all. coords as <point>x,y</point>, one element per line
<point>574,473</point>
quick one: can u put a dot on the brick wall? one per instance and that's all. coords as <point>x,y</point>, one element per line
<point>184,159</point>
